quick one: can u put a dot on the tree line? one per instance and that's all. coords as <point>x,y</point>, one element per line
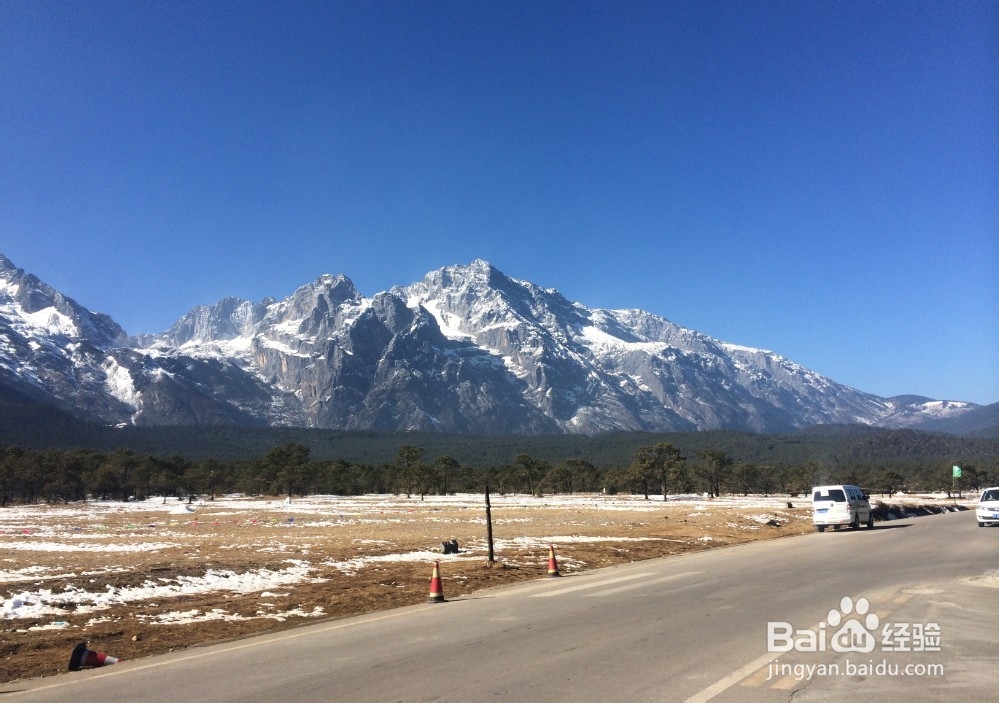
<point>659,468</point>
<point>843,446</point>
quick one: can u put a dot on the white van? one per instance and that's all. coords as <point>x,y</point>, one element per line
<point>840,505</point>
<point>987,510</point>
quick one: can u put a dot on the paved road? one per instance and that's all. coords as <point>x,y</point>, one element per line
<point>691,628</point>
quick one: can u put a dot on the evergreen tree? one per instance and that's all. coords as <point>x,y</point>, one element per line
<point>715,469</point>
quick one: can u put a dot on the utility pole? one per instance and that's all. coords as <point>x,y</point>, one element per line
<point>489,526</point>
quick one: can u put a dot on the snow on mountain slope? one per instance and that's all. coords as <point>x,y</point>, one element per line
<point>466,349</point>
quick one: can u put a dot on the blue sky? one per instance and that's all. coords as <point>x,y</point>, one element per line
<point>816,178</point>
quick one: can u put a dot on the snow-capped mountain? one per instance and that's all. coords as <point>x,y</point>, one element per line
<point>467,350</point>
<point>52,349</point>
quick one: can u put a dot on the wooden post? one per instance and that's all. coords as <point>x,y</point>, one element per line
<point>489,526</point>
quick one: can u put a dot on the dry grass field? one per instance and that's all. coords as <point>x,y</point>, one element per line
<point>140,578</point>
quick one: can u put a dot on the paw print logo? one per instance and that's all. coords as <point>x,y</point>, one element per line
<point>856,625</point>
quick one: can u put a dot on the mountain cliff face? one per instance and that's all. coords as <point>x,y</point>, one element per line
<point>465,350</point>
<point>53,350</point>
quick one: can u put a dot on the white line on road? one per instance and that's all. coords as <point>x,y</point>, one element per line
<point>582,586</point>
<point>750,668</point>
<point>730,680</point>
<point>630,586</point>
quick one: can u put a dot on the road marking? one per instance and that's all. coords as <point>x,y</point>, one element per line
<point>786,684</point>
<point>756,679</point>
<point>630,586</point>
<point>735,677</point>
<point>902,598</point>
<point>583,586</point>
<point>751,674</point>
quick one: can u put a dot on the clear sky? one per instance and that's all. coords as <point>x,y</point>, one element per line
<point>816,178</point>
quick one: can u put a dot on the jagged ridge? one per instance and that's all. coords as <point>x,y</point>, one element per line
<point>467,349</point>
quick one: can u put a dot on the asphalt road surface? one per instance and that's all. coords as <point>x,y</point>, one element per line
<point>908,610</point>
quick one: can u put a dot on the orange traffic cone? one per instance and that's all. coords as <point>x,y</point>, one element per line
<point>552,563</point>
<point>436,591</point>
<point>83,658</point>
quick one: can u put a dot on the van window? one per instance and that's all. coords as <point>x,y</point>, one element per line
<point>835,494</point>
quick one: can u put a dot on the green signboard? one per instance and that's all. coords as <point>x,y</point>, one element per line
<point>957,471</point>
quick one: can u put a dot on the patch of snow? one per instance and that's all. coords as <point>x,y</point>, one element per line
<point>44,602</point>
<point>443,319</point>
<point>30,546</point>
<point>282,348</point>
<point>51,321</point>
<point>195,615</point>
<point>119,383</point>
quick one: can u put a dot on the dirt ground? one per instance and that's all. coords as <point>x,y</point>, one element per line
<point>353,559</point>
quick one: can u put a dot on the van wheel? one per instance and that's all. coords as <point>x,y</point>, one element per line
<point>870,520</point>
<point>822,528</point>
<point>855,523</point>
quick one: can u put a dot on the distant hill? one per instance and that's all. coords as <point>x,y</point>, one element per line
<point>982,421</point>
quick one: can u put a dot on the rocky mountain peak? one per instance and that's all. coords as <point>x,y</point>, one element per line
<point>7,267</point>
<point>40,306</point>
<point>466,349</point>
<point>318,298</point>
<point>227,319</point>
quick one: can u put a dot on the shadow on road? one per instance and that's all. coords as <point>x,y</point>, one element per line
<point>877,526</point>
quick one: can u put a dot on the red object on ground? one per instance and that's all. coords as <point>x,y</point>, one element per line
<point>552,563</point>
<point>436,590</point>
<point>83,658</point>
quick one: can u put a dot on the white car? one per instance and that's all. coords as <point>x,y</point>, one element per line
<point>836,506</point>
<point>988,507</point>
